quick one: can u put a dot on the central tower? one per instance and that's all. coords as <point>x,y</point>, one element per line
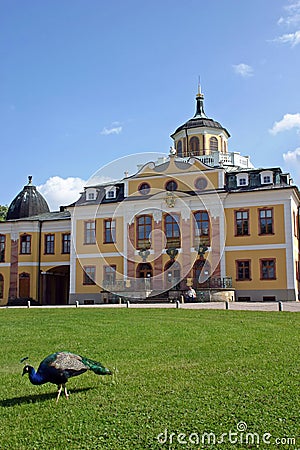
<point>200,135</point>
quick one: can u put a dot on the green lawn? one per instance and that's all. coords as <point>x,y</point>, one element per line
<point>179,371</point>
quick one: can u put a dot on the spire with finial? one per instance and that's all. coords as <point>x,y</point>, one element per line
<point>200,103</point>
<point>29,179</point>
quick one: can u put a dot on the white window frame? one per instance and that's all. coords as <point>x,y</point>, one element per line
<point>264,174</point>
<point>240,177</point>
<point>90,194</point>
<point>110,192</point>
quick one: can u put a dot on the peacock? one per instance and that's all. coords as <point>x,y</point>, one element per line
<point>58,367</point>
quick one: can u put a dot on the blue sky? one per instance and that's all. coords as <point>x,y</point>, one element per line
<point>85,82</point>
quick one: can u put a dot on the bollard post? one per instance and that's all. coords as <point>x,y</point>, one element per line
<point>177,304</point>
<point>120,300</point>
<point>77,303</point>
<point>280,306</point>
<point>182,298</point>
<point>28,304</point>
<point>128,304</point>
<point>226,305</point>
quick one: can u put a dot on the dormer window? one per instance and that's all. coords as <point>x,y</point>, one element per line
<point>90,194</point>
<point>242,179</point>
<point>110,192</point>
<point>266,177</point>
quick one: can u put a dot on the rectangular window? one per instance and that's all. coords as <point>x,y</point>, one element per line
<point>172,230</point>
<point>266,221</point>
<point>296,224</point>
<point>268,269</point>
<point>242,223</point>
<point>243,270</point>
<point>90,232</point>
<point>2,248</point>
<point>144,228</point>
<point>25,244</point>
<point>110,274</point>
<point>89,275</point>
<point>66,243</point>
<point>49,244</point>
<point>109,231</point>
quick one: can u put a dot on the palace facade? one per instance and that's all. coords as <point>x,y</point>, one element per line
<point>201,216</point>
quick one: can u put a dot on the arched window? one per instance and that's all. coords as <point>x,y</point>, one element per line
<point>144,228</point>
<point>144,270</point>
<point>213,144</point>
<point>194,146</point>
<point>201,273</point>
<point>179,149</point>
<point>1,286</point>
<point>172,230</point>
<point>24,285</point>
<point>202,227</point>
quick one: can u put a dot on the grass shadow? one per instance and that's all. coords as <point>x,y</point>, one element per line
<point>36,398</point>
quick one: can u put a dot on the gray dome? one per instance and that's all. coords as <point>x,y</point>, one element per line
<point>200,119</point>
<point>29,202</point>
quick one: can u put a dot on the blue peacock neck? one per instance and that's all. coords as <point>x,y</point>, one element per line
<point>35,377</point>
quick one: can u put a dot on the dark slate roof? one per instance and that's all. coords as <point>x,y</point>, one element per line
<point>29,202</point>
<point>200,119</point>
<point>54,215</point>
<point>196,122</point>
<point>100,197</point>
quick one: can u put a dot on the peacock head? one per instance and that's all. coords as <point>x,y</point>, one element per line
<point>26,369</point>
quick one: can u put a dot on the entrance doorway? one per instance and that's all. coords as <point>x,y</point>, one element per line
<point>24,285</point>
<point>172,275</point>
<point>55,286</point>
<point>201,273</point>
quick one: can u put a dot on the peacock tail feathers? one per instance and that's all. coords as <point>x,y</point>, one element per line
<point>95,366</point>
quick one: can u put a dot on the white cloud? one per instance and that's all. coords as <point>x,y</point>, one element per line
<point>115,128</point>
<point>291,38</point>
<point>292,157</point>
<point>292,17</point>
<point>292,161</point>
<point>288,122</point>
<point>243,69</point>
<point>61,191</point>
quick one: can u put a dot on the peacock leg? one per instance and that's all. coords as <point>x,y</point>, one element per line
<point>60,386</point>
<point>66,392</point>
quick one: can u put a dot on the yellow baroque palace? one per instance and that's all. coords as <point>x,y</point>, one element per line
<point>200,217</point>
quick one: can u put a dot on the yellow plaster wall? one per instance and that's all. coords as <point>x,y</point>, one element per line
<point>185,181</point>
<point>99,264</point>
<point>254,238</point>
<point>58,256</point>
<point>254,256</point>
<point>110,247</point>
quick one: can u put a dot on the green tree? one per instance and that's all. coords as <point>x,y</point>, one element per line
<point>3,211</point>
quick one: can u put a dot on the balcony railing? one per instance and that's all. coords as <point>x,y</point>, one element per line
<point>147,284</point>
